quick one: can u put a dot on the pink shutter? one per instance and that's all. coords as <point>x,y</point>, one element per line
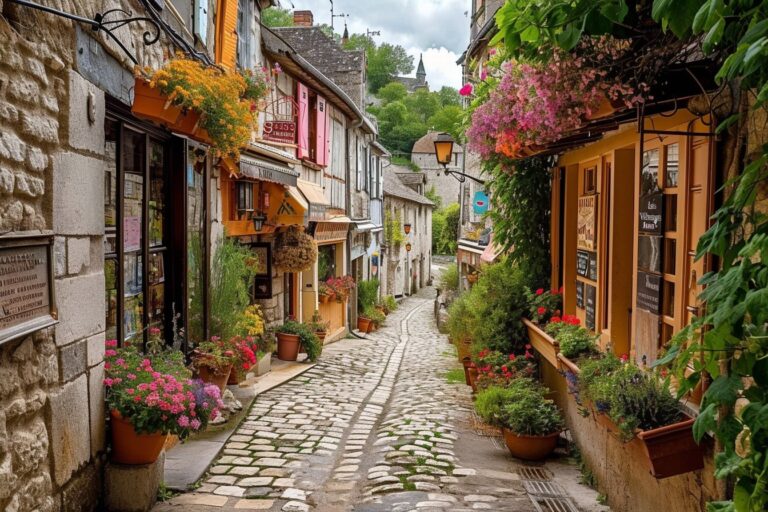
<point>303,127</point>
<point>321,142</point>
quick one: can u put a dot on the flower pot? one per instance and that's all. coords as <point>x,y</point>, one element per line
<point>530,447</point>
<point>324,299</point>
<point>464,349</point>
<point>128,447</point>
<point>188,123</point>
<point>472,278</point>
<point>288,346</point>
<point>321,335</point>
<point>473,378</point>
<point>542,342</point>
<point>467,363</point>
<point>149,103</point>
<point>264,366</point>
<point>671,449</point>
<point>235,377</point>
<point>363,324</point>
<point>216,376</point>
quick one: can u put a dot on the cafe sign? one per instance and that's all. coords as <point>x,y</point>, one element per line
<point>586,223</point>
<point>283,132</point>
<point>26,285</point>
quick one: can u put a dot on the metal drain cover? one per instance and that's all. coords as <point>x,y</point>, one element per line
<point>534,473</point>
<point>553,504</point>
<point>545,489</point>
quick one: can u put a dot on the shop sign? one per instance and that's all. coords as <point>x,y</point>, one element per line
<point>26,286</point>
<point>649,292</point>
<point>651,206</point>
<point>586,227</point>
<point>283,132</point>
<point>590,301</point>
<point>579,294</point>
<point>582,263</point>
<point>480,202</point>
<point>649,253</point>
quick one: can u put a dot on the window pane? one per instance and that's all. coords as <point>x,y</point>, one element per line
<point>670,255</point>
<point>110,279</point>
<point>672,165</point>
<point>134,164</point>
<point>669,299</point>
<point>156,278</point>
<point>650,172</point>
<point>326,262</point>
<point>195,251</point>
<point>156,194</point>
<point>111,130</point>
<point>670,212</point>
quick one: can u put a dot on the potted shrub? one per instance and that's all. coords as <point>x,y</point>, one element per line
<point>375,316</point>
<point>151,397</point>
<point>319,326</point>
<point>363,323</point>
<point>246,350</point>
<point>325,293</point>
<point>389,303</point>
<point>530,422</point>
<point>213,359</point>
<point>342,286</point>
<point>292,336</point>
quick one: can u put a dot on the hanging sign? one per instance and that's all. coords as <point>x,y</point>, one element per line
<point>283,132</point>
<point>651,208</point>
<point>649,292</point>
<point>587,215</point>
<point>480,202</point>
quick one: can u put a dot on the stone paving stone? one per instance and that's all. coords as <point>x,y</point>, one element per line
<point>229,490</point>
<point>254,504</point>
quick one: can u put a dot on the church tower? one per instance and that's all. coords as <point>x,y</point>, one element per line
<point>421,73</point>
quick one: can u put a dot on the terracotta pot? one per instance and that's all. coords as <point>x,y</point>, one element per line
<point>363,324</point>
<point>324,299</point>
<point>321,335</point>
<point>288,346</point>
<point>464,349</point>
<point>671,449</point>
<point>530,447</point>
<point>542,342</point>
<point>219,377</point>
<point>473,378</point>
<point>235,377</point>
<point>128,447</point>
<point>467,363</point>
<point>149,103</point>
<point>472,278</point>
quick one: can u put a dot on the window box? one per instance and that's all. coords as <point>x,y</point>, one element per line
<point>543,343</point>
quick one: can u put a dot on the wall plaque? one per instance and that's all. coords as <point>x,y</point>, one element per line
<point>579,294</point>
<point>582,263</point>
<point>590,300</point>
<point>649,292</point>
<point>592,266</point>
<point>649,253</point>
<point>586,228</point>
<point>26,285</point>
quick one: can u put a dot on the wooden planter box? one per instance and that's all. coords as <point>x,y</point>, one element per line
<point>671,450</point>
<point>566,365</point>
<point>543,343</point>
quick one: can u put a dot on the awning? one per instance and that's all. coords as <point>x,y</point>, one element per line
<point>315,197</point>
<point>258,169</point>
<point>297,196</point>
<point>333,230</point>
<point>365,225</point>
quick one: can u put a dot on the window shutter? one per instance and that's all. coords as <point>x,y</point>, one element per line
<point>303,128</point>
<point>321,138</point>
<point>226,33</point>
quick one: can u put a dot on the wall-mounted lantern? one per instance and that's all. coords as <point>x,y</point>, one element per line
<point>408,247</point>
<point>258,221</point>
<point>407,227</point>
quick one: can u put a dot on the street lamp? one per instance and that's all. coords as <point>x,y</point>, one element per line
<point>258,221</point>
<point>444,154</point>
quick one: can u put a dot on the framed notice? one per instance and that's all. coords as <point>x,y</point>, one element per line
<point>579,295</point>
<point>586,228</point>
<point>590,303</point>
<point>649,292</point>
<point>592,274</point>
<point>582,263</point>
<point>27,301</point>
<point>262,282</point>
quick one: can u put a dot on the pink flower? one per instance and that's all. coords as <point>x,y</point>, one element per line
<point>466,90</point>
<point>183,421</point>
<point>110,353</point>
<point>540,291</point>
<point>108,382</point>
<point>111,343</point>
<point>483,74</point>
<point>195,424</point>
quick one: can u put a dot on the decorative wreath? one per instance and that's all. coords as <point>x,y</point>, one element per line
<point>295,251</point>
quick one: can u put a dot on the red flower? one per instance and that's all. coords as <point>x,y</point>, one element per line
<point>555,320</point>
<point>541,310</point>
<point>540,291</point>
<point>504,369</point>
<point>528,355</point>
<point>512,357</point>
<point>624,358</point>
<point>527,346</point>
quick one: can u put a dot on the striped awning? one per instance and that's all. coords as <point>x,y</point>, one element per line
<point>258,169</point>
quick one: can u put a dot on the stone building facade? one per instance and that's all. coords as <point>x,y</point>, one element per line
<point>423,155</point>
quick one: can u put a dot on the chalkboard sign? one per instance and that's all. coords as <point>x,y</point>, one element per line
<point>651,213</point>
<point>649,292</point>
<point>582,263</point>
<point>579,294</point>
<point>593,266</point>
<point>590,293</point>
<point>649,253</point>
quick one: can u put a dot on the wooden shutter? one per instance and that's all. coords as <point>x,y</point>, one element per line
<point>226,33</point>
<point>321,139</point>
<point>303,127</point>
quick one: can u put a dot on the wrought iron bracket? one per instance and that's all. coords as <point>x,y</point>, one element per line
<point>461,177</point>
<point>105,22</point>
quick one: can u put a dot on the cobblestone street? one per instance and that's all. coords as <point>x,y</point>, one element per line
<point>375,426</point>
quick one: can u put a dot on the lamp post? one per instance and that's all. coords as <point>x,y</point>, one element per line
<point>444,154</point>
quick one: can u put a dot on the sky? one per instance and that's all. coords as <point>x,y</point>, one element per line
<point>437,28</point>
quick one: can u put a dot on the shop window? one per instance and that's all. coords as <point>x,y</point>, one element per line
<point>590,180</point>
<point>244,205</point>
<point>670,212</point>
<point>326,262</point>
<point>669,299</point>
<point>670,255</point>
<point>650,172</point>
<point>671,165</point>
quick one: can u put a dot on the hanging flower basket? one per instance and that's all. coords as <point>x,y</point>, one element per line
<point>295,251</point>
<point>151,104</point>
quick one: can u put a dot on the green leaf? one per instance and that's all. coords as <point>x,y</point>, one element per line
<point>570,35</point>
<point>701,18</point>
<point>530,34</point>
<point>713,37</point>
<point>741,498</point>
<point>755,32</point>
<point>615,11</point>
<point>705,422</point>
<point>723,390</point>
<point>720,506</point>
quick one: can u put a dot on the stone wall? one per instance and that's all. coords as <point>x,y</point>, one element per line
<point>446,187</point>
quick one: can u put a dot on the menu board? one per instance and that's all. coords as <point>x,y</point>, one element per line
<point>25,289</point>
<point>579,294</point>
<point>590,302</point>
<point>582,263</point>
<point>586,223</point>
<point>593,266</point>
<point>649,292</point>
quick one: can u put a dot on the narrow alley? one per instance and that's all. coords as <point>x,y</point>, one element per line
<point>375,426</point>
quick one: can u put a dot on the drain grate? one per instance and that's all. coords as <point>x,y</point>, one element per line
<point>534,473</point>
<point>545,489</point>
<point>553,505</point>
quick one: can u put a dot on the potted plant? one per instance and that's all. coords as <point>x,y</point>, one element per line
<point>319,326</point>
<point>375,316</point>
<point>530,422</point>
<point>150,397</point>
<point>363,323</point>
<point>325,293</point>
<point>213,360</point>
<point>246,350</point>
<point>342,286</point>
<point>292,336</point>
<point>390,304</point>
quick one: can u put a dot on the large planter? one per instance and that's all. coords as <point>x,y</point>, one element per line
<point>288,346</point>
<point>321,335</point>
<point>467,364</point>
<point>464,349</point>
<point>216,376</point>
<point>363,324</point>
<point>542,342</point>
<point>671,450</point>
<point>530,447</point>
<point>131,448</point>
<point>149,103</point>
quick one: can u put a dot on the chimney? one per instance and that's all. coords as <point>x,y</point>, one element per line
<point>303,18</point>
